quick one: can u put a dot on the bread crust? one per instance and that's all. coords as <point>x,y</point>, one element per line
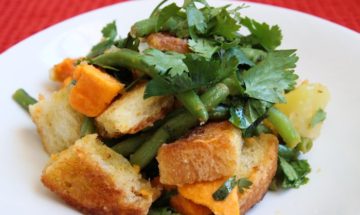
<point>95,180</point>
<point>259,169</point>
<point>210,152</point>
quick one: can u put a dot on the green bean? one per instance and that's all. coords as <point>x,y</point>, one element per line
<point>284,127</point>
<point>219,113</point>
<point>305,145</point>
<point>23,99</point>
<point>287,153</point>
<point>133,60</point>
<point>131,144</point>
<point>193,104</point>
<point>177,126</point>
<point>144,27</point>
<point>234,85</point>
<point>87,127</point>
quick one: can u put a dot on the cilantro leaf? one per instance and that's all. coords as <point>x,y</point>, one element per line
<point>224,25</point>
<point>241,57</point>
<point>244,113</point>
<point>203,47</point>
<point>318,117</point>
<point>225,189</point>
<point>165,14</point>
<point>169,62</point>
<point>109,33</point>
<point>269,79</point>
<point>161,211</point>
<point>243,183</point>
<point>201,73</point>
<point>292,172</point>
<point>268,37</point>
<point>196,20</point>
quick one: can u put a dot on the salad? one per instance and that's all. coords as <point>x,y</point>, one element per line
<point>185,115</point>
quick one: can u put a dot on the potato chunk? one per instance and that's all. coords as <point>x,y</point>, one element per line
<point>302,104</point>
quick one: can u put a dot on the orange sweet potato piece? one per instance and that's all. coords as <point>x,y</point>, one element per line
<point>201,193</point>
<point>93,91</point>
<point>166,42</point>
<point>63,70</point>
<point>187,207</point>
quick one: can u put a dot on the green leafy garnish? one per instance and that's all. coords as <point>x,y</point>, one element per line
<point>203,47</point>
<point>292,172</point>
<point>268,37</point>
<point>225,189</point>
<point>161,211</point>
<point>169,62</point>
<point>269,79</point>
<point>109,33</point>
<point>318,117</point>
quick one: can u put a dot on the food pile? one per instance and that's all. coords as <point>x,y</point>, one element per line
<point>185,115</point>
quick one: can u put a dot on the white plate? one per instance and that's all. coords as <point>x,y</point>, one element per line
<point>329,54</point>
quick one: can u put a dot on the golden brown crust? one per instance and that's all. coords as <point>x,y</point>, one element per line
<point>131,113</point>
<point>259,169</point>
<point>95,180</point>
<point>166,42</point>
<point>210,152</point>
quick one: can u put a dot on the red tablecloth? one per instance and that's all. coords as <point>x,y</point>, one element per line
<point>22,18</point>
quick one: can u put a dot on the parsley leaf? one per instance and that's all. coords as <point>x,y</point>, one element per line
<point>169,62</point>
<point>203,47</point>
<point>318,117</point>
<point>268,37</point>
<point>269,79</point>
<point>109,33</point>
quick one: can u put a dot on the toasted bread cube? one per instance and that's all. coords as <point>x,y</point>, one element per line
<point>210,152</point>
<point>258,164</point>
<point>187,207</point>
<point>166,42</point>
<point>96,180</point>
<point>94,90</point>
<point>57,123</point>
<point>131,113</point>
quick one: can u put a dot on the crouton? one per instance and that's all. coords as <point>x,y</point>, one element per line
<point>210,152</point>
<point>132,113</point>
<point>57,123</point>
<point>187,207</point>
<point>96,180</point>
<point>94,90</point>
<point>166,42</point>
<point>201,193</point>
<point>258,164</point>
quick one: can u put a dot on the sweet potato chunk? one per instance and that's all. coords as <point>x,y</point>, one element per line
<point>63,70</point>
<point>187,207</point>
<point>94,90</point>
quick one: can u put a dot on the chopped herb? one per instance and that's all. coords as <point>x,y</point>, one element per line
<point>203,47</point>
<point>169,62</point>
<point>109,33</point>
<point>225,189</point>
<point>318,117</point>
